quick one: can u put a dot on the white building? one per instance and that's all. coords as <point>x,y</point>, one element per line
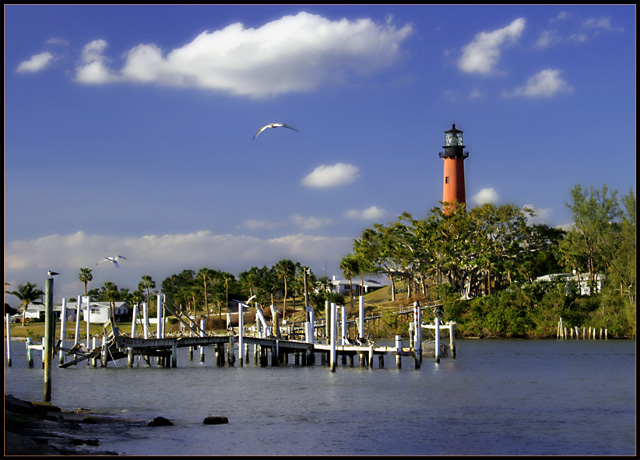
<point>582,281</point>
<point>342,286</point>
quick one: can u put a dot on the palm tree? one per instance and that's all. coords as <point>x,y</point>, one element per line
<point>111,294</point>
<point>206,274</point>
<point>27,293</point>
<point>349,267</point>
<point>285,269</point>
<point>85,277</point>
<point>146,284</point>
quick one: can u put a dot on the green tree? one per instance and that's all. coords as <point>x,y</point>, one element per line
<point>27,293</point>
<point>111,294</point>
<point>146,285</point>
<point>285,270</point>
<point>85,276</point>
<point>349,268</point>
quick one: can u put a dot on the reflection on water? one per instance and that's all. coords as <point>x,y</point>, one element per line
<point>508,397</point>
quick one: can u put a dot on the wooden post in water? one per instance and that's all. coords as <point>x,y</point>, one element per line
<point>88,320</point>
<point>63,327</point>
<point>398,351</point>
<point>327,321</point>
<point>231,359</point>
<point>49,331</point>
<point>452,339</point>
<point>29,352</point>
<point>174,354</point>
<point>240,334</point>
<point>417,341</point>
<point>8,320</point>
<point>437,341</point>
<point>103,357</point>
<point>202,334</point>
<point>78,314</point>
<point>332,328</point>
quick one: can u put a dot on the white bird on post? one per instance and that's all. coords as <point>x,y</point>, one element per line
<point>113,260</point>
<point>274,125</point>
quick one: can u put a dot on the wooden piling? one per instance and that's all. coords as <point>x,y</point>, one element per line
<point>8,321</point>
<point>63,329</point>
<point>332,327</point>
<point>437,340</point>
<point>29,352</point>
<point>452,339</point>
<point>49,331</point>
<point>202,334</point>
<point>398,351</point>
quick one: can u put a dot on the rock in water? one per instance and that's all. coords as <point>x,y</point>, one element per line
<point>160,421</point>
<point>215,420</point>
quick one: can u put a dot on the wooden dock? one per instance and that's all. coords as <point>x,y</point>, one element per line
<point>267,347</point>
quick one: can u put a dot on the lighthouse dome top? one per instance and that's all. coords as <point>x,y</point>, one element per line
<point>453,137</point>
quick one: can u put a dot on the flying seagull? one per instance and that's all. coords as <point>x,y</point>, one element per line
<point>52,273</point>
<point>274,125</point>
<point>113,260</point>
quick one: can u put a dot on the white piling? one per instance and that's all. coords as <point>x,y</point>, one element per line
<point>63,327</point>
<point>134,322</point>
<point>343,329</point>
<point>88,320</point>
<point>103,361</point>
<point>29,352</point>
<point>361,317</point>
<point>8,320</point>
<point>145,320</point>
<point>78,314</point>
<point>332,354</point>
<point>417,341</point>
<point>160,315</point>
<point>240,334</point>
<point>437,344</point>
<point>398,351</point>
<point>202,334</point>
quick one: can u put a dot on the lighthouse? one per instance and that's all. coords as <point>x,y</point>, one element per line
<point>453,180</point>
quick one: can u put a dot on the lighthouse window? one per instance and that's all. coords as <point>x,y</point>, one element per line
<point>446,180</point>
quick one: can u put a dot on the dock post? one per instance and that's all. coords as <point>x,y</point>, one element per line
<point>361,327</point>
<point>202,332</point>
<point>78,314</point>
<point>8,320</point>
<point>49,332</point>
<point>103,354</point>
<point>398,351</point>
<point>452,339</point>
<point>371,356</point>
<point>63,328</point>
<point>332,356</point>
<point>88,319</point>
<point>231,359</point>
<point>437,344</point>
<point>240,334</point>
<point>174,354</point>
<point>417,342</point>
<point>29,352</point>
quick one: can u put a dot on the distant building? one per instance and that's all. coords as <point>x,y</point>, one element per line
<point>340,286</point>
<point>581,281</point>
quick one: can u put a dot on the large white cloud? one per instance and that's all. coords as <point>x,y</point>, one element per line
<point>483,53</point>
<point>157,255</point>
<point>36,63</point>
<point>485,195</point>
<point>545,83</point>
<point>371,213</point>
<point>290,54</point>
<point>331,175</point>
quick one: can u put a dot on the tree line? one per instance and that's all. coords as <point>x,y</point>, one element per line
<point>464,256</point>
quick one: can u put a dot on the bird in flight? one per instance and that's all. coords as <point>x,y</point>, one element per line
<point>113,260</point>
<point>52,273</point>
<point>274,125</point>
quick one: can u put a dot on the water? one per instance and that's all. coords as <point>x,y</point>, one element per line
<point>498,397</point>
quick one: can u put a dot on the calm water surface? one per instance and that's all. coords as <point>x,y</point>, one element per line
<point>498,397</point>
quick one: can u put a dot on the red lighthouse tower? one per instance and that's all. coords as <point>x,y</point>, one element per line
<point>454,155</point>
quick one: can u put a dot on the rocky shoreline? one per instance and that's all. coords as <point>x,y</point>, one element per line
<point>34,428</point>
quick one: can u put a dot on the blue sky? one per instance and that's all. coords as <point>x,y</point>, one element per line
<point>128,129</point>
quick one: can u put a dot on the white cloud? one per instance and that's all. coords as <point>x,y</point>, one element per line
<point>36,63</point>
<point>483,53</point>
<point>157,255</point>
<point>290,54</point>
<point>93,69</point>
<point>545,83</point>
<point>486,195</point>
<point>547,39</point>
<point>601,23</point>
<point>331,176</point>
<point>542,215</point>
<point>371,213</point>
<point>254,224</point>
<point>310,223</point>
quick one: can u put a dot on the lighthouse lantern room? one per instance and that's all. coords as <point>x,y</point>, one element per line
<point>453,190</point>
